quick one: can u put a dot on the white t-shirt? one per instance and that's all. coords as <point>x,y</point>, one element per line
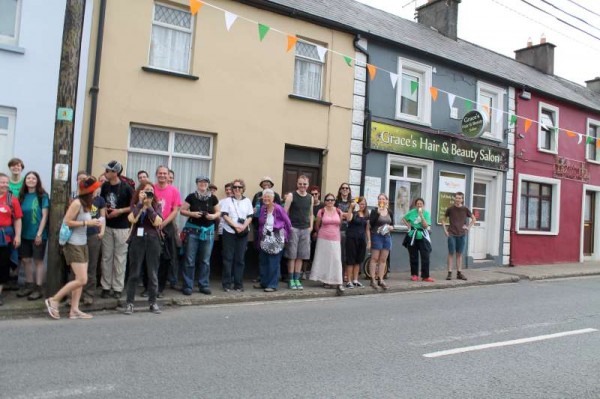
<point>236,209</point>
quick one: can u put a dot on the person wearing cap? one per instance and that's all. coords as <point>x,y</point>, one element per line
<point>78,218</point>
<point>117,195</point>
<point>202,209</point>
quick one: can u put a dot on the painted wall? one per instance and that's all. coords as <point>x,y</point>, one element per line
<point>241,96</point>
<point>29,81</point>
<point>565,247</point>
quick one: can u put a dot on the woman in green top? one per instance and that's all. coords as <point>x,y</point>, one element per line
<point>419,243</point>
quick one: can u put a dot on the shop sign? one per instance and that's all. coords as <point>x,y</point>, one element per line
<point>449,183</point>
<point>571,169</point>
<point>404,141</point>
<point>472,124</point>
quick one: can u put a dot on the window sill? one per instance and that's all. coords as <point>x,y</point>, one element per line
<point>592,161</point>
<point>312,100</point>
<point>490,137</point>
<point>11,48</point>
<point>547,151</point>
<point>413,120</point>
<point>537,233</point>
<point>169,73</point>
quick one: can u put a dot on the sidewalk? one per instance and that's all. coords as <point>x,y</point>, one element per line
<point>397,282</point>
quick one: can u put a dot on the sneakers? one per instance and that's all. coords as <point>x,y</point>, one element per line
<point>105,294</point>
<point>461,276</point>
<point>349,285</point>
<point>36,294</point>
<point>204,290</point>
<point>428,280</point>
<point>414,278</point>
<point>268,289</point>
<point>155,309</point>
<point>292,285</point>
<point>340,290</point>
<point>186,291</point>
<point>25,290</point>
<point>128,309</point>
<point>358,284</point>
<point>449,276</point>
<point>117,294</point>
<point>299,285</point>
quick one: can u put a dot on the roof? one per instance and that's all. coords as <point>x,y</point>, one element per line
<point>374,23</point>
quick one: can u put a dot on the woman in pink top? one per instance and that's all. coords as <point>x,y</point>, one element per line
<point>327,263</point>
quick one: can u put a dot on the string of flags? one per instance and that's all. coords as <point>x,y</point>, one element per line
<point>292,41</point>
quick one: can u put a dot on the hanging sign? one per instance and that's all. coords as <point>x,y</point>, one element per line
<point>473,123</point>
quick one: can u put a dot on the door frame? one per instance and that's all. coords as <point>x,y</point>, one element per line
<point>493,219</point>
<point>596,254</point>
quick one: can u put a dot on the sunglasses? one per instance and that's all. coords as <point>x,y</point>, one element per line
<point>108,170</point>
<point>314,193</point>
<point>329,199</point>
<point>237,187</point>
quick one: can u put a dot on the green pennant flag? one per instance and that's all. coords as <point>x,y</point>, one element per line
<point>262,31</point>
<point>348,60</point>
<point>513,119</point>
<point>589,140</point>
<point>414,85</point>
<point>468,105</point>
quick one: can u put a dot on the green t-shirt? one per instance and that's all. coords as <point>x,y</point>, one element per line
<point>15,187</point>
<point>414,219</point>
<point>32,216</point>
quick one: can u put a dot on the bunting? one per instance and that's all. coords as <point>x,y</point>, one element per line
<point>262,31</point>
<point>229,20</point>
<point>570,133</point>
<point>393,79</point>
<point>291,42</point>
<point>468,105</point>
<point>527,124</point>
<point>195,6</point>
<point>372,71</point>
<point>321,51</point>
<point>348,60</point>
<point>414,85</point>
<point>451,98</point>
<point>434,93</point>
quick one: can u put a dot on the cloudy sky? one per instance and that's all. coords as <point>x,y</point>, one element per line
<point>505,25</point>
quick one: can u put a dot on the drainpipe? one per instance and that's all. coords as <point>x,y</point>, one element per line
<point>366,121</point>
<point>94,89</point>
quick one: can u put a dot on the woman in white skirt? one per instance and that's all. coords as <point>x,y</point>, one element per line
<point>327,263</point>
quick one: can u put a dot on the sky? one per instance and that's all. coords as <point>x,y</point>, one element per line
<point>505,25</point>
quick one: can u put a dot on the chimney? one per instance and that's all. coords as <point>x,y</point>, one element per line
<point>594,84</point>
<point>441,15</point>
<point>540,56</point>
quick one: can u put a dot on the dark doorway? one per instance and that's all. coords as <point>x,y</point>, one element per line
<point>301,161</point>
<point>588,223</point>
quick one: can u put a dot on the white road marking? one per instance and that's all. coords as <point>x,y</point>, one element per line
<point>508,343</point>
<point>63,393</point>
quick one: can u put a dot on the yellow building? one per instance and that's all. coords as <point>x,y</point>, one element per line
<point>204,95</point>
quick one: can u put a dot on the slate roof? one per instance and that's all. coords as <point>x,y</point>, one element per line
<point>360,18</point>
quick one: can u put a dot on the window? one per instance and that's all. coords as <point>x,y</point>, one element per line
<point>187,154</point>
<point>538,209</point>
<point>413,100</point>
<point>171,42</point>
<point>8,117</point>
<point>408,179</point>
<point>308,74</point>
<point>10,17</point>
<point>548,128</point>
<point>592,152</point>
<point>490,100</point>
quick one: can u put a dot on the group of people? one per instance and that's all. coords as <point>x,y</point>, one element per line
<point>131,233</point>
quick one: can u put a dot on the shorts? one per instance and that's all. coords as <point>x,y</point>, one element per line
<point>381,242</point>
<point>28,249</point>
<point>356,250</point>
<point>76,254</point>
<point>456,244</point>
<point>298,246</point>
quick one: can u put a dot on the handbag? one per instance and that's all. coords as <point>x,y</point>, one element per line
<point>64,234</point>
<point>272,242</point>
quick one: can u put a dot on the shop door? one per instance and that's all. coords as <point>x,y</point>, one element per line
<point>478,237</point>
<point>588,223</point>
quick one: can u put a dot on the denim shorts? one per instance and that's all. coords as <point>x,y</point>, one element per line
<point>381,242</point>
<point>456,244</point>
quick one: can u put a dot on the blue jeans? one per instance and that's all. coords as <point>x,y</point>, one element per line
<point>234,252</point>
<point>197,251</point>
<point>456,244</point>
<point>269,269</point>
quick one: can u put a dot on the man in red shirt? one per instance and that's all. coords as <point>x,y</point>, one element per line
<point>10,230</point>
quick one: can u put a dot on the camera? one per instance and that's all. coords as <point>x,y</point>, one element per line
<point>241,221</point>
<point>149,194</point>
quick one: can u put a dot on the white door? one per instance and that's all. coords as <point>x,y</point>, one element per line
<point>7,134</point>
<point>478,237</point>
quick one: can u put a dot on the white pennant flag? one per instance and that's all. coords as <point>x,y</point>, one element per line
<point>229,19</point>
<point>322,51</point>
<point>580,137</point>
<point>451,98</point>
<point>394,79</point>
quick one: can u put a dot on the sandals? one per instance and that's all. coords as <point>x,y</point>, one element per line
<point>374,285</point>
<point>78,314</point>
<point>52,310</point>
<point>383,285</point>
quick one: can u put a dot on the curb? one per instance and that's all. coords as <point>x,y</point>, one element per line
<point>551,276</point>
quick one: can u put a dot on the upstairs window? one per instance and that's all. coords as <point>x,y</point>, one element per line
<point>490,100</point>
<point>548,129</point>
<point>413,99</point>
<point>171,42</point>
<point>592,152</point>
<point>10,17</point>
<point>308,72</point>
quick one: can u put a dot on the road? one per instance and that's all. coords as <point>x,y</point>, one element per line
<point>385,346</point>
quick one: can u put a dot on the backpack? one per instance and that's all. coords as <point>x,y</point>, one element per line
<point>128,181</point>
<point>9,199</point>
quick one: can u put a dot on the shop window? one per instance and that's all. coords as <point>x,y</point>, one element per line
<point>548,128</point>
<point>407,180</point>
<point>171,41</point>
<point>592,152</point>
<point>490,100</point>
<point>308,72</point>
<point>10,18</point>
<point>413,99</point>
<point>538,209</point>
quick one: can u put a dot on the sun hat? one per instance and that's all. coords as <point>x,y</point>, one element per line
<point>264,179</point>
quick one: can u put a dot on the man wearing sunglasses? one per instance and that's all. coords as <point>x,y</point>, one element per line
<point>299,206</point>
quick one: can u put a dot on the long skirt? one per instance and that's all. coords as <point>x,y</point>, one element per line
<point>327,264</point>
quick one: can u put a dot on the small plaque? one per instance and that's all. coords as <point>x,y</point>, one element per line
<point>64,114</point>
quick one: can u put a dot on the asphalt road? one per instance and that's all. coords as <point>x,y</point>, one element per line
<point>384,346</point>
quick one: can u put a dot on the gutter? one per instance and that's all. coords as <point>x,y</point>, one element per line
<point>94,89</point>
<point>366,120</point>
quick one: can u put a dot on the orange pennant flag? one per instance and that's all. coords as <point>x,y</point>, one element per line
<point>486,108</point>
<point>291,42</point>
<point>195,6</point>
<point>434,93</point>
<point>527,124</point>
<point>597,143</point>
<point>372,71</point>
<point>570,133</point>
